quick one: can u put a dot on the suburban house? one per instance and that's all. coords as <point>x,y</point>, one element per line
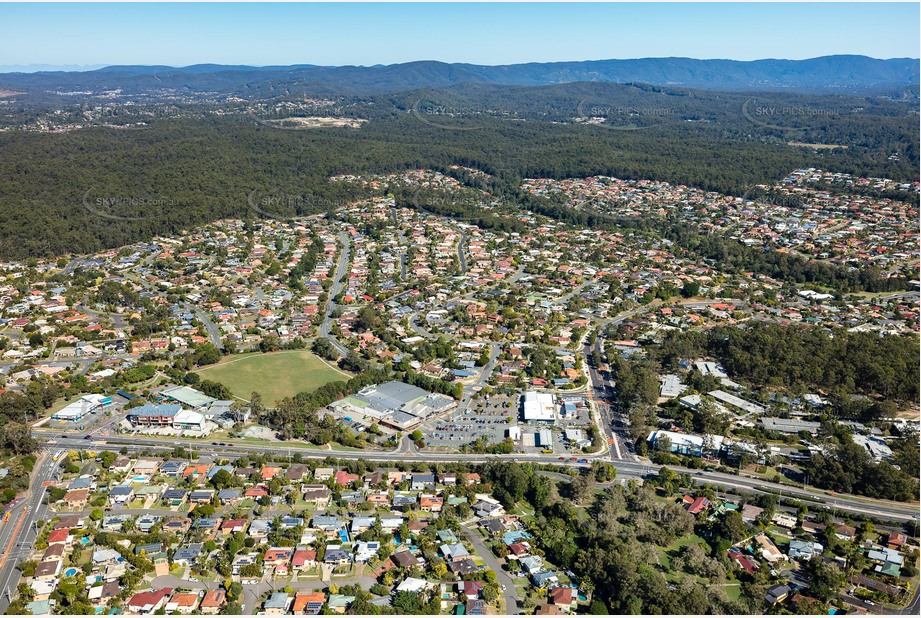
<point>277,604</point>
<point>213,602</point>
<point>149,602</point>
<point>183,603</point>
<point>308,603</point>
<point>76,499</point>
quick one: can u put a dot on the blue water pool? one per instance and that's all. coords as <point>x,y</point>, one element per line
<point>70,572</point>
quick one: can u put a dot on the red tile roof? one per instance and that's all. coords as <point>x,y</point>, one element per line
<point>213,598</point>
<point>561,596</point>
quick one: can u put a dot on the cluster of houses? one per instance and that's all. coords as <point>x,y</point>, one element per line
<point>325,538</point>
<point>783,542</point>
<point>444,277</point>
<point>800,214</point>
<point>328,522</point>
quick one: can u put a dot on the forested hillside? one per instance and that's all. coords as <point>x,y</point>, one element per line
<point>827,73</point>
<point>97,188</point>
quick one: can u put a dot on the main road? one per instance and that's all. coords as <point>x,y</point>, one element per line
<point>844,503</point>
<point>18,534</point>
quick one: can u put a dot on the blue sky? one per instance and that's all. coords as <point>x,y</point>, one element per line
<point>366,34</point>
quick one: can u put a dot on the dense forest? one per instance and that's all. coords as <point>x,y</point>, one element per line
<point>96,188</point>
<point>847,467</point>
<point>802,358</point>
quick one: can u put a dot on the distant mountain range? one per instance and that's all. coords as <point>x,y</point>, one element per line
<point>827,74</point>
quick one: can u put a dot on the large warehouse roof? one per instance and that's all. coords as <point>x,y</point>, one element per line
<point>396,404</point>
<point>538,406</point>
<point>789,425</point>
<point>188,396</point>
<point>391,395</point>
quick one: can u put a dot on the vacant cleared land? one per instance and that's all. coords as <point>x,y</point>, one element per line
<point>314,122</point>
<point>817,146</point>
<point>275,376</point>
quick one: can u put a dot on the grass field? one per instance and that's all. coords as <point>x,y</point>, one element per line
<point>275,376</point>
<point>733,591</point>
<point>666,553</point>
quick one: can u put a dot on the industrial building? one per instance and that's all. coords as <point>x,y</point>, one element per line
<point>86,404</point>
<point>687,444</point>
<point>544,439</point>
<point>187,397</point>
<point>538,407</point>
<point>394,404</point>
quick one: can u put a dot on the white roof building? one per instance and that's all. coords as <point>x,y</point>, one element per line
<point>671,386</point>
<point>687,444</point>
<point>877,447</point>
<point>738,402</point>
<point>187,419</point>
<point>412,584</point>
<point>81,407</point>
<point>538,407</point>
<point>711,369</point>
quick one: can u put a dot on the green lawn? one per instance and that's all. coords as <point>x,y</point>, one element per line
<point>666,553</point>
<point>733,591</point>
<point>275,376</point>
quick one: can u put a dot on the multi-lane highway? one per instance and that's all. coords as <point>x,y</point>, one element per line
<point>841,503</point>
<point>18,534</point>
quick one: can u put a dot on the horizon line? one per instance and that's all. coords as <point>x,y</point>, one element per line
<point>88,68</point>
